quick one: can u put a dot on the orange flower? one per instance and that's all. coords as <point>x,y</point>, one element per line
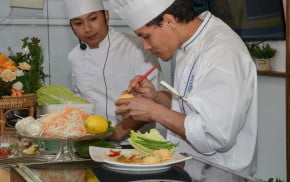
<point>3,58</point>
<point>10,65</point>
<point>12,68</point>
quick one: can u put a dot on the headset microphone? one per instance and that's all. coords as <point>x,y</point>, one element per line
<point>83,46</point>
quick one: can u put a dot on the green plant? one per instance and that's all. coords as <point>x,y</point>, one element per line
<point>274,180</point>
<point>261,52</point>
<point>22,72</point>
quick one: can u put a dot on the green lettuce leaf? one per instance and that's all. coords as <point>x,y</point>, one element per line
<point>150,141</point>
<point>57,94</point>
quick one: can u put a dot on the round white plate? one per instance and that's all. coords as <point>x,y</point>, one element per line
<point>98,155</point>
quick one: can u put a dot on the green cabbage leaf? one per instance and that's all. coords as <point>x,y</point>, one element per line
<point>57,94</point>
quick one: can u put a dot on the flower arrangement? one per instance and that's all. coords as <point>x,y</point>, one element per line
<point>22,72</point>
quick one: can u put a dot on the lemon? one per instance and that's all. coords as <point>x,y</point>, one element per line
<point>126,96</point>
<point>90,177</point>
<point>96,124</point>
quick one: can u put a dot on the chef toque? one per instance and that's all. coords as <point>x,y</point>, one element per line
<point>77,8</point>
<point>137,13</point>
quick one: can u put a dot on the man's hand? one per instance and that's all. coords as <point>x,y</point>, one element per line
<point>145,88</point>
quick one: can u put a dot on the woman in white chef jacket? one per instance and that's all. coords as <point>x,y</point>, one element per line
<point>105,61</point>
<point>214,72</point>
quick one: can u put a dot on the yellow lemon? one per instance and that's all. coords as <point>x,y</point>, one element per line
<point>126,96</point>
<point>96,124</point>
<point>90,177</point>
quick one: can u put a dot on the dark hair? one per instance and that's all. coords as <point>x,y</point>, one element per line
<point>180,9</point>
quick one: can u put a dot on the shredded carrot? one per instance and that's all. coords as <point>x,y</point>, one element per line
<point>64,122</point>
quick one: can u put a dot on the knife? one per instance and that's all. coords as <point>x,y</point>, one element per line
<point>173,90</point>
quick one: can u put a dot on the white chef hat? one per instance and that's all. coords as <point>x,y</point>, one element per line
<point>138,13</point>
<point>77,8</point>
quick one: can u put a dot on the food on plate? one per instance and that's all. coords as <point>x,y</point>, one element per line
<point>61,123</point>
<point>29,126</point>
<point>164,154</point>
<point>82,147</point>
<point>158,156</point>
<point>151,146</point>
<point>31,150</point>
<point>151,160</point>
<point>114,153</point>
<point>5,152</point>
<point>57,94</point>
<point>150,141</point>
<point>65,122</point>
<point>9,150</point>
<point>96,124</point>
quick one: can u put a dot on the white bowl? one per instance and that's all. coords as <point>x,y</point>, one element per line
<point>44,109</point>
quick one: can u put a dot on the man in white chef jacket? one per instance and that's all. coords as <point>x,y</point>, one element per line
<point>105,61</point>
<point>214,73</point>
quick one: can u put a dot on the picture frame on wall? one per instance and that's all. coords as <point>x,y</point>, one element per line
<point>253,20</point>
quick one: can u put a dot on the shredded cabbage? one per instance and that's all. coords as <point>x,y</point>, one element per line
<point>65,122</point>
<point>57,94</point>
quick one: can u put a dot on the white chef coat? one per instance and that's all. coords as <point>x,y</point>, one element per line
<point>124,60</point>
<point>216,74</point>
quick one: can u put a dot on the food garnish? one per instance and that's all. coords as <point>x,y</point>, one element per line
<point>33,149</point>
<point>114,153</point>
<point>150,141</point>
<point>156,157</point>
<point>66,122</point>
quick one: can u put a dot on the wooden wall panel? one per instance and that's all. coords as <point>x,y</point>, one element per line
<point>287,87</point>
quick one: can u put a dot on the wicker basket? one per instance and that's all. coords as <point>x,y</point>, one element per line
<point>9,103</point>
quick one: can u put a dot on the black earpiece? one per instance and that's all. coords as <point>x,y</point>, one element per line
<point>83,46</point>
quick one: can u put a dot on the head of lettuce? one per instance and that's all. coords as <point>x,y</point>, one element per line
<point>57,94</point>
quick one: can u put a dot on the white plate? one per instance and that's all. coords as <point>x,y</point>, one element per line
<point>97,154</point>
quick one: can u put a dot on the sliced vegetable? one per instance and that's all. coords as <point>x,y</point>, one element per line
<point>157,146</point>
<point>148,142</point>
<point>114,153</point>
